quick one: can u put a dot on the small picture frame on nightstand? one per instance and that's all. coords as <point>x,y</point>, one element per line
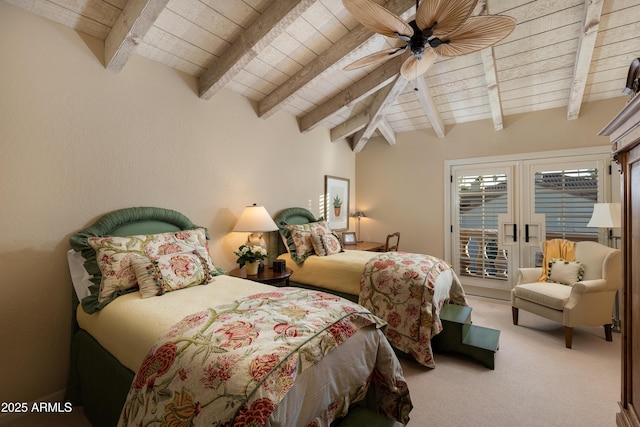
<point>348,238</point>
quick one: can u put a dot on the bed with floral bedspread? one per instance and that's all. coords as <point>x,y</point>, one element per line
<point>232,364</point>
<point>407,291</point>
<point>237,349</point>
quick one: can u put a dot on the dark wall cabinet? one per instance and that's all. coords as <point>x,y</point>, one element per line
<point>624,132</point>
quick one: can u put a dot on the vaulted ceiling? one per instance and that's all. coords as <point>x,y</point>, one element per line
<point>289,55</point>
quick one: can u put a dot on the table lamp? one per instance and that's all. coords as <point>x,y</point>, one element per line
<point>359,215</point>
<point>255,220</point>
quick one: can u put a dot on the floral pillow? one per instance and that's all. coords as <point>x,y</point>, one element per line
<point>170,273</point>
<point>299,238</point>
<point>564,272</point>
<point>325,244</point>
<point>115,256</point>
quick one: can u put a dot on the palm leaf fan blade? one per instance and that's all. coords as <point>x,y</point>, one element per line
<point>374,58</point>
<point>413,67</point>
<point>377,18</point>
<point>449,14</point>
<point>477,33</point>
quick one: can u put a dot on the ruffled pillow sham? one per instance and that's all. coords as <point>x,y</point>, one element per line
<point>299,238</point>
<point>115,256</point>
<point>325,244</point>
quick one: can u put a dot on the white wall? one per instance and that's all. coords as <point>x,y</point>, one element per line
<point>77,141</point>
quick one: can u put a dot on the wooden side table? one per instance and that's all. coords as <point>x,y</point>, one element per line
<point>267,275</point>
<point>366,246</point>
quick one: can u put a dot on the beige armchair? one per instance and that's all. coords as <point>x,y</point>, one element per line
<point>588,302</point>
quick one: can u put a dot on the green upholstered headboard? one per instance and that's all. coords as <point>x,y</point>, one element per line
<point>123,222</point>
<point>283,218</point>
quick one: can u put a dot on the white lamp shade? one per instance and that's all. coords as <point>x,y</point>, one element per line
<point>605,215</point>
<point>255,219</point>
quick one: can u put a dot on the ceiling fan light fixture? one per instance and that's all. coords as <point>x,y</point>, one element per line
<point>413,67</point>
<point>443,27</point>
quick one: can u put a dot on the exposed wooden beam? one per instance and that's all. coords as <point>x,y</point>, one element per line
<point>364,87</point>
<point>323,62</point>
<point>590,24</point>
<point>493,92</point>
<point>386,130</point>
<point>490,75</point>
<point>383,100</point>
<point>429,106</point>
<point>273,22</point>
<point>129,29</point>
<point>351,126</point>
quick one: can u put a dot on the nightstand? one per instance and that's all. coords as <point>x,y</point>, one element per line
<point>267,276</point>
<point>365,246</point>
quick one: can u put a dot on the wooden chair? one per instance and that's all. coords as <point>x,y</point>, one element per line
<point>392,247</point>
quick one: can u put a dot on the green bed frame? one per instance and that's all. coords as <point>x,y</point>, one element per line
<point>97,380</point>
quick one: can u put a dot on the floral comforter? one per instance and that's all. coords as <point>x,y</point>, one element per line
<point>232,364</point>
<point>408,290</point>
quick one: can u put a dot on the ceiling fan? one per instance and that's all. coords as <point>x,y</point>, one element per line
<point>440,27</point>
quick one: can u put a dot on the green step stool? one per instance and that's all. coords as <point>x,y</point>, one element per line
<point>460,336</point>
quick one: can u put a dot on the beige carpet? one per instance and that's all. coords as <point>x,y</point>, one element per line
<point>537,381</point>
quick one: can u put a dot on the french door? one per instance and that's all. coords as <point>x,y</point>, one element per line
<point>501,211</point>
<point>485,248</point>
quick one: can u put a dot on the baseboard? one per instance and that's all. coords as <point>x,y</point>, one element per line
<point>480,291</point>
<point>6,418</point>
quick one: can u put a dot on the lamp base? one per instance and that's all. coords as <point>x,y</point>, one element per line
<point>255,239</point>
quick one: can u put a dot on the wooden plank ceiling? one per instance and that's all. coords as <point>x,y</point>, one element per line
<point>289,55</point>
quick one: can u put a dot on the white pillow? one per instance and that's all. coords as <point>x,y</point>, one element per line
<point>79,276</point>
<point>565,272</point>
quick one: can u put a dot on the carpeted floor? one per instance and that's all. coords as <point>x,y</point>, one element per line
<point>536,381</point>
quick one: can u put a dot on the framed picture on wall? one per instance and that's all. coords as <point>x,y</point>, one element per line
<point>336,197</point>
